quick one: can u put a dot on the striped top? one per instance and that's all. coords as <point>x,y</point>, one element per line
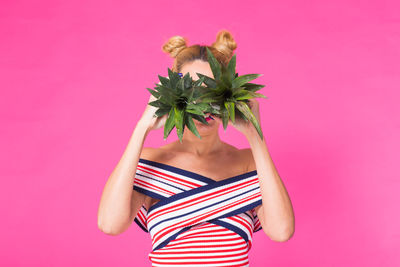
<point>197,221</point>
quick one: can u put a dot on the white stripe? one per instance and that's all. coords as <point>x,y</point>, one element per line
<point>219,201</point>
<point>199,203</point>
<point>185,179</point>
<point>156,181</point>
<point>207,253</point>
<point>240,257</point>
<point>206,265</point>
<point>203,249</point>
<point>162,227</point>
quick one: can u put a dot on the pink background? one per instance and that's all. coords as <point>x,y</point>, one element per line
<point>73,76</point>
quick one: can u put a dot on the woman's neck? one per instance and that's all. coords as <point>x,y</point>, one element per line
<point>210,143</point>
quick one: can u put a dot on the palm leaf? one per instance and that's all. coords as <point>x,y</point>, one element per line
<point>164,81</point>
<point>244,108</point>
<point>210,82</point>
<point>173,78</point>
<point>241,80</point>
<point>179,116</point>
<point>169,123</point>
<point>214,64</point>
<point>192,127</point>
<point>154,93</point>
<point>232,67</point>
<point>230,107</point>
<point>253,87</point>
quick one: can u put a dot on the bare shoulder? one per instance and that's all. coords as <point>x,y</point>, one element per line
<point>247,156</point>
<point>148,153</point>
<point>154,154</point>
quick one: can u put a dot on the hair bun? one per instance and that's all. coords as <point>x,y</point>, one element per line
<point>225,43</point>
<point>174,45</point>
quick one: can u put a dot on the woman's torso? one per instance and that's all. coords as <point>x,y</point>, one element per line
<point>208,243</point>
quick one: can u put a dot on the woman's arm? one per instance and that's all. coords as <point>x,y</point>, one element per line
<point>276,212</point>
<point>119,203</point>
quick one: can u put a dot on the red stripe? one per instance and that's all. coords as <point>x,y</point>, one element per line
<point>172,178</point>
<point>210,238</point>
<point>140,216</point>
<point>205,236</point>
<point>241,221</point>
<point>197,219</point>
<point>236,238</point>
<point>196,252</point>
<point>202,255</point>
<point>148,185</point>
<point>202,263</point>
<point>192,201</point>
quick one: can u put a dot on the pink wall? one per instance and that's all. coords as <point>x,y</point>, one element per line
<point>73,76</point>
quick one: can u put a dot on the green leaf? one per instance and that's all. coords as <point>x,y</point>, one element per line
<point>195,111</point>
<point>166,101</point>
<point>198,82</point>
<point>155,103</point>
<point>154,93</point>
<point>210,82</point>
<point>255,95</point>
<point>245,109</point>
<point>180,87</point>
<point>244,96</point>
<point>199,91</point>
<point>187,81</point>
<point>162,111</point>
<point>241,80</point>
<point>253,87</point>
<point>203,106</point>
<point>173,78</point>
<point>200,118</point>
<point>230,107</point>
<point>214,64</point>
<point>225,78</point>
<point>189,94</point>
<point>248,95</point>
<point>164,81</point>
<point>207,95</point>
<point>169,123</point>
<point>232,67</point>
<point>179,114</point>
<point>192,127</point>
<point>225,118</point>
<point>209,100</point>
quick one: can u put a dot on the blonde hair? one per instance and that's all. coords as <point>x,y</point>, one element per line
<point>222,50</point>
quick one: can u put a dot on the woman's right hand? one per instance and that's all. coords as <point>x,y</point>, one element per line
<point>149,119</point>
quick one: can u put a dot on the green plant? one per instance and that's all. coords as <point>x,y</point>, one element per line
<point>229,93</point>
<point>176,96</point>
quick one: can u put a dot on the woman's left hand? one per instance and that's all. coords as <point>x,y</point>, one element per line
<point>245,127</point>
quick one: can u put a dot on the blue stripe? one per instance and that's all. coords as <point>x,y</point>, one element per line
<point>177,170</point>
<point>201,189</point>
<point>243,209</point>
<point>160,180</point>
<point>201,208</point>
<point>148,193</point>
<point>218,222</point>
<point>251,218</point>
<point>140,224</point>
<point>231,227</point>
<point>165,242</point>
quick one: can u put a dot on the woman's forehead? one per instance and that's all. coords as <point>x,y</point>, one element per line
<point>197,66</point>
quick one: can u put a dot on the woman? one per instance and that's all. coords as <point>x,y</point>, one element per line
<point>201,199</point>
